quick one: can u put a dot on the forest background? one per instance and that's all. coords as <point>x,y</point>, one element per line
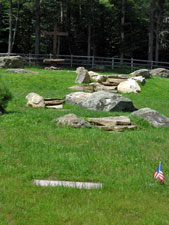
<point>115,28</point>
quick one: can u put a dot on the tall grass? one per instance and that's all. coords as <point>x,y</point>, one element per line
<point>32,147</point>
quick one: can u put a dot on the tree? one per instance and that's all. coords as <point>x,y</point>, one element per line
<point>37,27</point>
<point>159,21</point>
<point>151,30</point>
<point>10,28</point>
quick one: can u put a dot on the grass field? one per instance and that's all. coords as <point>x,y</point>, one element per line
<point>32,147</point>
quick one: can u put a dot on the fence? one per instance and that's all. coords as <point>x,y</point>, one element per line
<point>93,61</point>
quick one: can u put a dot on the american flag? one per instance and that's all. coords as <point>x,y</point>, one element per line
<point>158,174</point>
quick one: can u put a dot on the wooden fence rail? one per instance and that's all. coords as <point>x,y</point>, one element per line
<point>93,61</point>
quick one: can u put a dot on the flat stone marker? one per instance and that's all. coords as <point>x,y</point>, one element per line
<point>80,185</point>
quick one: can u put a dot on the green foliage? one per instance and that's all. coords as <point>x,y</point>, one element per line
<point>104,17</point>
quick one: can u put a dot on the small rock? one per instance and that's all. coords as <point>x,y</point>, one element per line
<point>82,76</point>
<point>21,71</point>
<point>85,88</point>
<point>118,76</point>
<point>35,100</point>
<point>73,121</point>
<point>111,89</point>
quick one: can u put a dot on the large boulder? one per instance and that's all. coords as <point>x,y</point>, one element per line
<point>142,72</point>
<point>153,117</point>
<point>35,100</point>
<point>160,72</point>
<point>73,121</point>
<point>12,62</point>
<point>82,75</point>
<point>105,101</point>
<point>101,100</point>
<point>128,86</point>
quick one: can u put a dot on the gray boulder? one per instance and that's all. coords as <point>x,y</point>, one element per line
<point>101,100</point>
<point>73,121</point>
<point>160,72</point>
<point>35,100</point>
<point>11,62</point>
<point>105,101</point>
<point>142,72</point>
<point>153,117</point>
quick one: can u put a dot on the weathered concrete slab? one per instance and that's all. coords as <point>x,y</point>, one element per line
<point>79,185</point>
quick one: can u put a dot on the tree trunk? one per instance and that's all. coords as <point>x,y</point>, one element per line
<point>61,22</point>
<point>10,28</point>
<point>68,25</point>
<point>16,25</point>
<point>89,40</point>
<point>151,31</point>
<point>122,30</point>
<point>158,27</point>
<point>89,28</point>
<point>37,28</point>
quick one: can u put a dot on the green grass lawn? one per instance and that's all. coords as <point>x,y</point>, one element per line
<point>32,147</point>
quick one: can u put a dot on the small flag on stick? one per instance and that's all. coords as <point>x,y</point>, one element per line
<point>158,174</point>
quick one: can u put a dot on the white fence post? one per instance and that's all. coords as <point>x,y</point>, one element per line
<point>151,65</point>
<point>132,64</point>
<point>71,61</point>
<point>93,62</point>
<point>29,59</point>
<point>112,64</point>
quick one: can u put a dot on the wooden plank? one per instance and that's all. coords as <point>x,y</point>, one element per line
<point>53,60</point>
<point>73,184</point>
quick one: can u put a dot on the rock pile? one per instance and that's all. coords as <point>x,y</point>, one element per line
<point>121,83</point>
<point>117,123</point>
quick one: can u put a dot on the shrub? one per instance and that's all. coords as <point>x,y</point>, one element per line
<point>5,96</point>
